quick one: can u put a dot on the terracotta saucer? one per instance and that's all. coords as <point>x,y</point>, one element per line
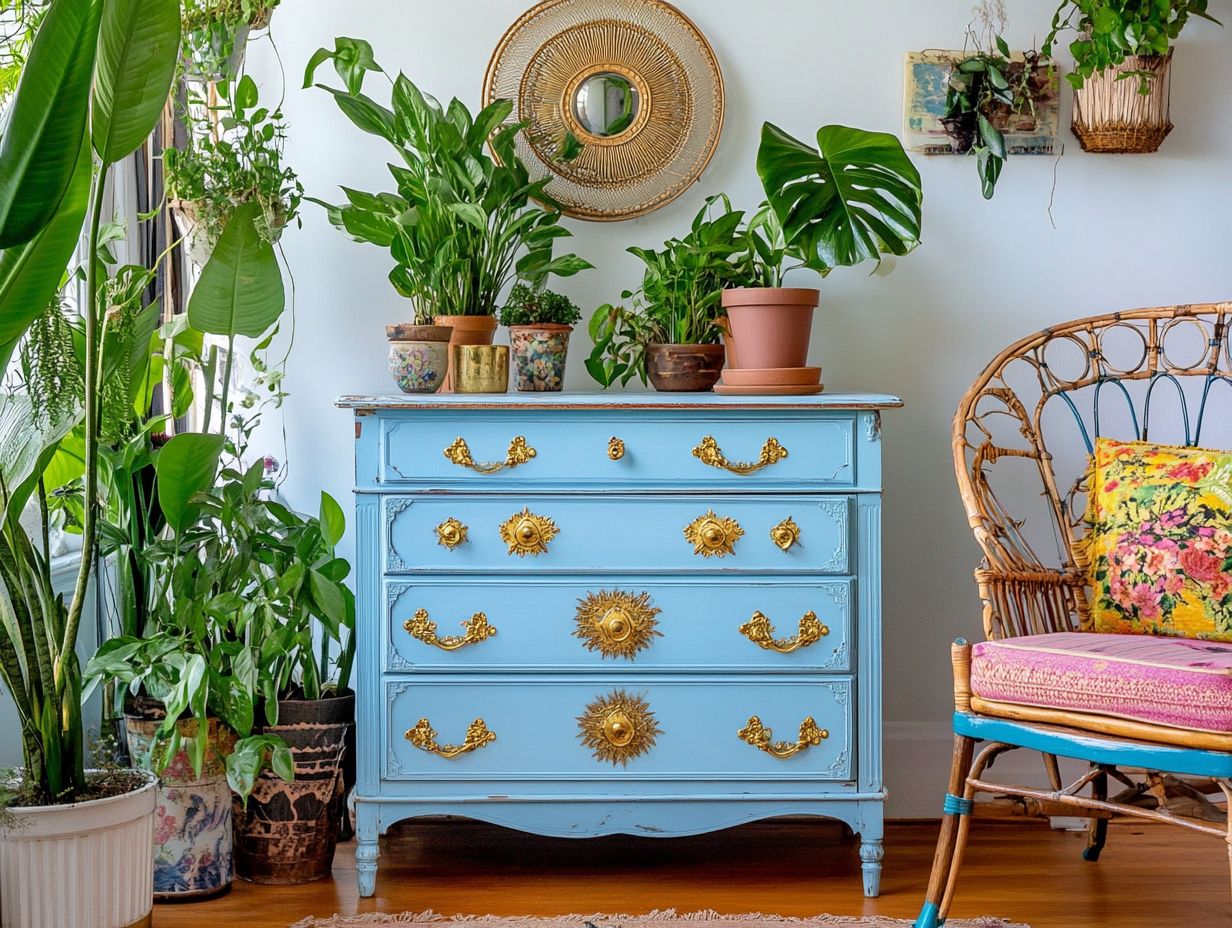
<point>772,376</point>
<point>770,390</point>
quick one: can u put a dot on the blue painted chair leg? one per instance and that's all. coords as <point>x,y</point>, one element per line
<point>1098,835</point>
<point>367,847</point>
<point>929,917</point>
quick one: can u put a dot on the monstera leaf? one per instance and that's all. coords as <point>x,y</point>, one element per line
<point>854,198</point>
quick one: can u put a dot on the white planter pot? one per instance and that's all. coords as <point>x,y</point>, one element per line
<point>196,242</point>
<point>85,865</point>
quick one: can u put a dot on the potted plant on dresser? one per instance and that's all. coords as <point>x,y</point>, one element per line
<point>1122,68</point>
<point>670,331</point>
<point>93,87</point>
<point>287,829</point>
<point>539,323</point>
<point>463,224</point>
<point>853,198</point>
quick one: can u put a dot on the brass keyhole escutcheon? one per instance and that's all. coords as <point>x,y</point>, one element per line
<point>526,533</point>
<point>619,729</point>
<point>713,535</point>
<point>616,624</point>
<point>615,448</point>
<point>450,533</point>
<point>785,534</point>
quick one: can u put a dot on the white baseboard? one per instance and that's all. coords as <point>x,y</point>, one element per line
<point>917,765</point>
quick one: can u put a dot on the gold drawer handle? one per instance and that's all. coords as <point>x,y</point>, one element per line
<point>526,533</point>
<point>423,736</point>
<point>759,631</point>
<point>450,533</point>
<point>615,448</point>
<point>519,453</point>
<point>785,534</point>
<point>617,624</point>
<point>709,452</point>
<point>618,727</point>
<point>761,737</point>
<point>423,629</point>
<point>713,535</point>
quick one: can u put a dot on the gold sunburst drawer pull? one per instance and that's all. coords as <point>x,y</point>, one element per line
<point>762,738</point>
<point>519,453</point>
<point>423,629</point>
<point>450,533</point>
<point>759,631</point>
<point>615,448</point>
<point>713,535</point>
<point>526,533</point>
<point>617,624</point>
<point>618,727</point>
<point>423,736</point>
<point>785,534</point>
<point>709,452</point>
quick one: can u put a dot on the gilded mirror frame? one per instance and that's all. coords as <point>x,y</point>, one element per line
<point>553,49</point>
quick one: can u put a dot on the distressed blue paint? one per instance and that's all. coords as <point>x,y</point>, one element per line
<point>621,528</point>
<point>1098,750</point>
<point>956,805</point>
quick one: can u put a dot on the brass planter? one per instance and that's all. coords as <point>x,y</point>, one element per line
<point>480,368</point>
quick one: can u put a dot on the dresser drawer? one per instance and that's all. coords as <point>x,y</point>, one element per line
<point>569,449</point>
<point>642,728</point>
<point>605,534</point>
<point>625,627</point>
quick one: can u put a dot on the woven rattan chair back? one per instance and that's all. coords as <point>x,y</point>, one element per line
<point>1024,432</point>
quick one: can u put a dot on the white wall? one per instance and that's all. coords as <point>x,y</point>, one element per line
<point>1130,231</point>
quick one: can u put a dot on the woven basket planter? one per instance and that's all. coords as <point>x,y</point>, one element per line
<point>1111,116</point>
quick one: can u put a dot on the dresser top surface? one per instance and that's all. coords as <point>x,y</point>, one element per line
<point>596,400</point>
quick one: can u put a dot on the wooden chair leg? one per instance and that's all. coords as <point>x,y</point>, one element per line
<point>1097,830</point>
<point>1226,786</point>
<point>964,749</point>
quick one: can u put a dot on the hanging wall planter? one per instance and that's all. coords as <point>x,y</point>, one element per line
<point>1112,114</point>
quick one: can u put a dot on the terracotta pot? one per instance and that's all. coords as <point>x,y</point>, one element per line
<point>467,330</point>
<point>192,822</point>
<point>84,864</point>
<point>418,356</point>
<point>289,830</point>
<point>771,325</point>
<point>684,368</point>
<point>539,355</point>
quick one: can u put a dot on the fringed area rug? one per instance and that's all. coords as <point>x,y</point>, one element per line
<point>666,918</point>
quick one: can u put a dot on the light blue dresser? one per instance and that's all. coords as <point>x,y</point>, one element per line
<point>648,614</point>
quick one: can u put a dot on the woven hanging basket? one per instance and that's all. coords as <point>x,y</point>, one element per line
<point>1112,116</point>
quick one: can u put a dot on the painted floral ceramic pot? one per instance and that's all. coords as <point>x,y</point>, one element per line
<point>192,814</point>
<point>539,353</point>
<point>418,356</point>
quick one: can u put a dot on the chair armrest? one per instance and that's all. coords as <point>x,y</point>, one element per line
<point>1032,601</point>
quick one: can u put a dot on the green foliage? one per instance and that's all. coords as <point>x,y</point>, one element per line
<point>462,223</point>
<point>50,367</point>
<point>1109,31</point>
<point>528,306</point>
<point>980,86</point>
<point>854,198</point>
<point>46,125</point>
<point>219,171</point>
<point>678,301</point>
<point>240,290</point>
<point>21,20</point>
<point>212,28</point>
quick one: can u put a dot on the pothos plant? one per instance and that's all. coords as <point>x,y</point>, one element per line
<point>462,223</point>
<point>1109,31</point>
<point>233,156</point>
<point>215,33</point>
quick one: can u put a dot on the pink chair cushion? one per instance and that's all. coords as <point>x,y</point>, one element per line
<point>1178,682</point>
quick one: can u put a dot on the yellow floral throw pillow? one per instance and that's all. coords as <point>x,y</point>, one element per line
<point>1161,540</point>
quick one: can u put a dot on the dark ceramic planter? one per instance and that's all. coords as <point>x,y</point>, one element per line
<point>289,830</point>
<point>684,368</point>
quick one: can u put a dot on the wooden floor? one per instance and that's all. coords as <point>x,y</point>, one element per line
<point>1150,875</point>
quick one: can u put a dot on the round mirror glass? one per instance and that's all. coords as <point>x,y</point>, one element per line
<point>606,104</point>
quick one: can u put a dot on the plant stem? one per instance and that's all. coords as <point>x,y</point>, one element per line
<point>89,524</point>
<point>226,387</point>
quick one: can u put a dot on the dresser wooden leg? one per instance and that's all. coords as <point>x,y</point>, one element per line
<point>367,847</point>
<point>871,852</point>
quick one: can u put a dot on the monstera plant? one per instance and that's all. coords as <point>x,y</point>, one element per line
<point>855,197</point>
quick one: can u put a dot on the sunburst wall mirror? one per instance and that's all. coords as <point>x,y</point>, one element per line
<point>633,81</point>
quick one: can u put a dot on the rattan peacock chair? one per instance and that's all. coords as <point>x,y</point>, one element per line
<point>1022,440</point>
